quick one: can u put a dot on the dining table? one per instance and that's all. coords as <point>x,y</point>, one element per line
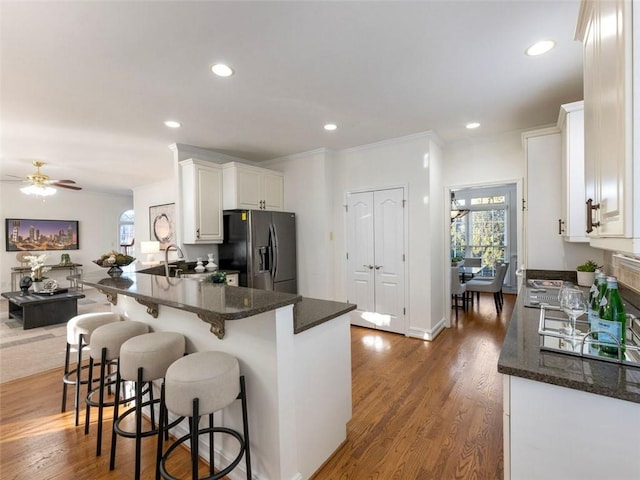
<point>467,273</point>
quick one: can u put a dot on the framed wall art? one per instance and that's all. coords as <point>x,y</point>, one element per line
<point>162,224</point>
<point>40,235</point>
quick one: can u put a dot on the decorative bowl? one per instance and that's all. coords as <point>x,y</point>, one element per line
<point>113,261</point>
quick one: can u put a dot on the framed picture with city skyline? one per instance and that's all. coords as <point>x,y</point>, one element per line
<point>41,235</point>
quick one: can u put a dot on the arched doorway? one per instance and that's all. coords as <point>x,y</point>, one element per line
<point>126,231</point>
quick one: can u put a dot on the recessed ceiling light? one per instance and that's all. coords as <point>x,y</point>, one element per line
<point>222,70</point>
<point>172,124</point>
<point>472,125</point>
<point>540,47</point>
<point>330,126</point>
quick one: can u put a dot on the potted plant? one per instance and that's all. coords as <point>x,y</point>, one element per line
<point>457,261</point>
<point>36,262</point>
<point>586,273</point>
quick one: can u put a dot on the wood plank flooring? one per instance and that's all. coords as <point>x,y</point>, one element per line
<point>426,410</point>
<point>421,410</point>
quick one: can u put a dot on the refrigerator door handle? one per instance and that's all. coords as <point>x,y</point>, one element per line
<point>273,241</point>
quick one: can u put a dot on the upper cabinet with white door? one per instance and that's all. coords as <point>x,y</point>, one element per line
<point>201,201</point>
<point>612,138</point>
<point>252,188</point>
<point>543,247</point>
<point>572,217</point>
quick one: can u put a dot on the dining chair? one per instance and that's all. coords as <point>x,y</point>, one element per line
<point>458,292</point>
<point>494,286</point>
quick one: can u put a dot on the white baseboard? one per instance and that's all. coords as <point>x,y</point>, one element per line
<point>425,334</point>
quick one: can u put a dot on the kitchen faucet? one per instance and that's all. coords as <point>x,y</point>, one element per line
<point>175,247</point>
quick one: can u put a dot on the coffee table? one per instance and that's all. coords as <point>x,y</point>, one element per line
<point>41,310</point>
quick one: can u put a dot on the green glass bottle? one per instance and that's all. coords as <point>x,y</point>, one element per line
<point>613,320</point>
<point>595,293</point>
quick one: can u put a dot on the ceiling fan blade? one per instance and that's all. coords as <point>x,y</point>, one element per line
<point>14,176</point>
<point>60,181</point>
<point>62,185</point>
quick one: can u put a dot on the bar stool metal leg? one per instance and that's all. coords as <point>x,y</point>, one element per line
<point>67,353</point>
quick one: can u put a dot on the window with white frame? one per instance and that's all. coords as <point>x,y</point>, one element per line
<point>488,230</point>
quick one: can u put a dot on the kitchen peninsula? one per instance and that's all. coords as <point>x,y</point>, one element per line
<point>294,353</point>
<point>565,416</point>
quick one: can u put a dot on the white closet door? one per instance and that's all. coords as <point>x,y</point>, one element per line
<point>361,260</point>
<point>389,261</point>
<point>375,264</point>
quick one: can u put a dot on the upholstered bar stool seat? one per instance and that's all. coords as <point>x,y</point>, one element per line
<point>201,384</point>
<point>143,359</point>
<point>79,330</point>
<point>105,348</point>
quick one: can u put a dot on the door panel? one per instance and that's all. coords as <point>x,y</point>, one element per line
<point>360,288</point>
<point>375,244</point>
<point>389,251</point>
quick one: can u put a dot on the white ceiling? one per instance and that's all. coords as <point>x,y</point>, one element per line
<point>86,86</point>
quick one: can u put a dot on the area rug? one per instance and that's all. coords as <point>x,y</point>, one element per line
<point>26,352</point>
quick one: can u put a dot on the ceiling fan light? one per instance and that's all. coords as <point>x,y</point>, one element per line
<point>42,191</point>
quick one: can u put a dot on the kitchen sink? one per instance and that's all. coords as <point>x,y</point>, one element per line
<point>200,276</point>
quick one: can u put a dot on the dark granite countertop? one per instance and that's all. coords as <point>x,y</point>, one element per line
<point>521,357</point>
<point>311,312</point>
<point>214,300</point>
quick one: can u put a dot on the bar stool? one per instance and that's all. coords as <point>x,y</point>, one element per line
<point>79,330</point>
<point>200,384</point>
<point>105,347</point>
<point>143,359</point>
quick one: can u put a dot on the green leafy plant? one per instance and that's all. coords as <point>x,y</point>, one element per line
<point>588,266</point>
<point>456,259</point>
<point>218,277</point>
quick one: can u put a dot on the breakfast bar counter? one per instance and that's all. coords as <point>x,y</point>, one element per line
<point>294,352</point>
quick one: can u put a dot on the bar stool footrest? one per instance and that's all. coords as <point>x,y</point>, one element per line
<point>221,473</point>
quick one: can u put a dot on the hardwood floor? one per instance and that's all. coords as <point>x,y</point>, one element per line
<point>421,410</point>
<point>426,410</point>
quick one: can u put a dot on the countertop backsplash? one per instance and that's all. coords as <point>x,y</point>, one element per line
<point>627,270</point>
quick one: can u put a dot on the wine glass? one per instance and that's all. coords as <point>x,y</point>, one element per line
<point>574,304</point>
<point>563,288</point>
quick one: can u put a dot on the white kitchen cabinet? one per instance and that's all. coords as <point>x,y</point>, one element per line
<point>543,247</point>
<point>612,138</point>
<point>554,432</point>
<point>201,201</point>
<point>252,188</point>
<point>572,222</point>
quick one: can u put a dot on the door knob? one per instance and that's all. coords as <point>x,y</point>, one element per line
<point>370,267</point>
<point>378,267</point>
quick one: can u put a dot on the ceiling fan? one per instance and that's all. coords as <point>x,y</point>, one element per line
<point>41,184</point>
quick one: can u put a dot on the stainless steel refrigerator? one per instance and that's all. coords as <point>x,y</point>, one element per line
<point>262,246</point>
